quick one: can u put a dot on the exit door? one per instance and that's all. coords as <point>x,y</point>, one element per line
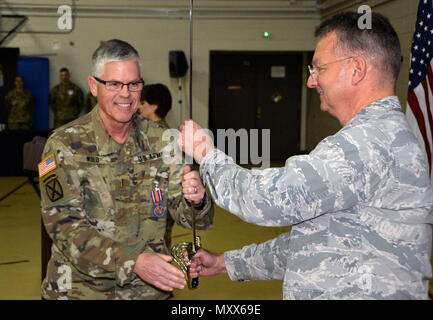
<point>258,90</point>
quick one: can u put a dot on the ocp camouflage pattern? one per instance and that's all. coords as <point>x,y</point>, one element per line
<point>20,106</point>
<point>360,206</point>
<point>97,208</point>
<point>66,101</point>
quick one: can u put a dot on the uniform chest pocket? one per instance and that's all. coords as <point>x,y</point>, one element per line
<point>149,179</point>
<point>95,190</point>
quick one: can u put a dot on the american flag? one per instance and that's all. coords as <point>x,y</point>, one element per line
<point>47,165</point>
<point>420,97</point>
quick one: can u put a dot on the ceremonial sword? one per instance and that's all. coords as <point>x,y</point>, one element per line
<point>191,248</point>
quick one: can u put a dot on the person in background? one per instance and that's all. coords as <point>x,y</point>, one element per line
<point>20,106</point>
<point>155,102</point>
<point>66,100</point>
<point>89,102</point>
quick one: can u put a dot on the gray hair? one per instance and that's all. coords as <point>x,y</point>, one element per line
<point>380,43</point>
<point>113,50</point>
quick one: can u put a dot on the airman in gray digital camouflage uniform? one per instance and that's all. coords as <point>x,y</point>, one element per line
<point>360,204</point>
<point>98,177</point>
<point>20,106</point>
<point>66,100</point>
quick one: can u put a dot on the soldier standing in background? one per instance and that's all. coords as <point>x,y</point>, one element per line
<point>66,100</point>
<point>89,102</point>
<point>20,106</point>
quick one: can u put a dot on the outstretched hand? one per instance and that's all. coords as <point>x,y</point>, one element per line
<point>205,263</point>
<point>155,268</point>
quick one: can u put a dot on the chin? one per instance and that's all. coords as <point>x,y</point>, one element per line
<point>324,107</point>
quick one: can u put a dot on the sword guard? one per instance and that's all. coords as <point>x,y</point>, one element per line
<point>177,252</point>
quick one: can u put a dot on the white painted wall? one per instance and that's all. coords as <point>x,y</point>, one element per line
<point>218,25</point>
<point>154,38</point>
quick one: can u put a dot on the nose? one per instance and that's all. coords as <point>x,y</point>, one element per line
<point>124,92</point>
<point>311,82</point>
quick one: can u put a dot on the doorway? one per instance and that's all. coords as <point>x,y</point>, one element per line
<point>258,90</point>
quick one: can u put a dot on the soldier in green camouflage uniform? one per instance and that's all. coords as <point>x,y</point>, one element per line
<point>20,105</point>
<point>155,104</point>
<point>66,100</point>
<point>89,102</point>
<point>96,181</point>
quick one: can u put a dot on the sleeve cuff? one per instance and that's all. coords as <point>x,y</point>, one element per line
<point>199,206</point>
<point>235,266</point>
<point>125,262</point>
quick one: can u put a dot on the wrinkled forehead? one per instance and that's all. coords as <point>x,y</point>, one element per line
<point>325,49</point>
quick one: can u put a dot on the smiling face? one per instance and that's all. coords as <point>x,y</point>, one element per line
<point>332,80</point>
<point>117,108</point>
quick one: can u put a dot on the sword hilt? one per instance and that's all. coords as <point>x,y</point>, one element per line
<point>177,252</point>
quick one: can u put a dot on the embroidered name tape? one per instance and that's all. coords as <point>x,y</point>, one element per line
<point>47,165</point>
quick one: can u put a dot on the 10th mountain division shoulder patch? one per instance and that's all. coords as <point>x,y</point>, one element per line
<point>53,188</point>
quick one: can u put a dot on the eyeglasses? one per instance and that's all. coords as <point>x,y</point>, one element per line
<point>312,69</point>
<point>118,86</point>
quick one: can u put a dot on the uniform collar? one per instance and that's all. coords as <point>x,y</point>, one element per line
<point>376,109</point>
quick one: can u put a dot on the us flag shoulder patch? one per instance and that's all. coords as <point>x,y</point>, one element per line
<point>47,165</point>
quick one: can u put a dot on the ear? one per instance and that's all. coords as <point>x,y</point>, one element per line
<point>93,86</point>
<point>359,70</point>
<point>153,107</point>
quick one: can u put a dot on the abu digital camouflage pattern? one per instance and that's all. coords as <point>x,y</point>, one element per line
<point>360,205</point>
<point>20,105</point>
<point>97,208</point>
<point>66,101</point>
